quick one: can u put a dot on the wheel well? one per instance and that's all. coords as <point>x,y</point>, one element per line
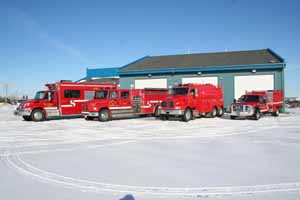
<point>104,109</point>
<point>155,107</point>
<point>43,110</point>
<point>189,108</point>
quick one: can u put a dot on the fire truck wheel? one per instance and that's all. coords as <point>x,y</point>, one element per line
<point>276,113</point>
<point>220,112</point>
<point>37,115</point>
<point>213,113</point>
<point>104,115</point>
<point>257,115</point>
<point>27,118</point>
<point>187,115</point>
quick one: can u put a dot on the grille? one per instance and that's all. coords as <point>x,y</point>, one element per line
<point>164,104</point>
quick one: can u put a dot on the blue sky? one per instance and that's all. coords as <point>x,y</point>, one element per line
<point>46,41</point>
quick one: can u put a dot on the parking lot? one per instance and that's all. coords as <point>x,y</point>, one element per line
<point>145,158</point>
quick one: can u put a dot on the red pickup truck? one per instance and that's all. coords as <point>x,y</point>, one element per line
<point>255,103</point>
<point>193,100</point>
<point>114,103</point>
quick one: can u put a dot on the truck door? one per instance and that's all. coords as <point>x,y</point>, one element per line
<point>70,102</point>
<point>113,102</point>
<point>51,101</point>
<point>193,98</point>
<point>263,104</point>
<point>125,99</point>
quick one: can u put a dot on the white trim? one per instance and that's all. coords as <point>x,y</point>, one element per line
<point>66,106</point>
<point>50,108</point>
<point>158,101</point>
<point>277,103</point>
<point>148,106</point>
<point>99,85</point>
<point>120,107</point>
<point>80,100</point>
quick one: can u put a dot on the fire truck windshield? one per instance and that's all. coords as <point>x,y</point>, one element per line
<point>179,91</point>
<point>101,94</point>
<point>249,98</point>
<point>40,95</point>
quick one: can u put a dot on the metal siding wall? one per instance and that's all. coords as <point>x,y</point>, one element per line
<point>225,80</point>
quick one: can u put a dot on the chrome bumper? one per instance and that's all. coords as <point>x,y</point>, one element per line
<point>171,112</point>
<point>90,114</point>
<point>23,112</point>
<point>241,114</point>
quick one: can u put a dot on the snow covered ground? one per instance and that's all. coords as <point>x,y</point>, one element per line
<point>150,159</point>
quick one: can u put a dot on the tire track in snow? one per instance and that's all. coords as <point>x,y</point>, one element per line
<point>93,186</point>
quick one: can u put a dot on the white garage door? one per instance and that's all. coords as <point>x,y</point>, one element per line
<point>252,82</point>
<point>201,80</point>
<point>150,83</point>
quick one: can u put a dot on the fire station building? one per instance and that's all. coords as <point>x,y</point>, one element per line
<point>235,71</point>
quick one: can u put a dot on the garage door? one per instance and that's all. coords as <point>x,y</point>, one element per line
<point>201,80</point>
<point>252,82</point>
<point>150,83</point>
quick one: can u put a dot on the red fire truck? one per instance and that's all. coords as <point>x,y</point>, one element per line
<point>110,103</point>
<point>255,103</point>
<point>63,98</point>
<point>192,100</point>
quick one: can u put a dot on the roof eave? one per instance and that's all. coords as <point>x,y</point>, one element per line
<point>204,69</point>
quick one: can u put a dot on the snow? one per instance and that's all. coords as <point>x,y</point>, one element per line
<point>145,158</point>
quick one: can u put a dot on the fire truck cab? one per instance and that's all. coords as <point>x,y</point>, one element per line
<point>63,98</point>
<point>255,103</point>
<point>114,103</point>
<point>192,100</point>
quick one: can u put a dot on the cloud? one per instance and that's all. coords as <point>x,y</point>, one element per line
<point>29,23</point>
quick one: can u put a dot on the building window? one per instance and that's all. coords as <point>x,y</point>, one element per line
<point>72,93</point>
<point>125,95</point>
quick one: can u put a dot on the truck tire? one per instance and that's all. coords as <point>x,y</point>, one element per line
<point>164,117</point>
<point>104,115</point>
<point>27,118</point>
<point>276,113</point>
<point>213,113</point>
<point>232,117</point>
<point>187,115</point>
<point>257,115</point>
<point>88,118</point>
<point>220,112</point>
<point>37,115</point>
